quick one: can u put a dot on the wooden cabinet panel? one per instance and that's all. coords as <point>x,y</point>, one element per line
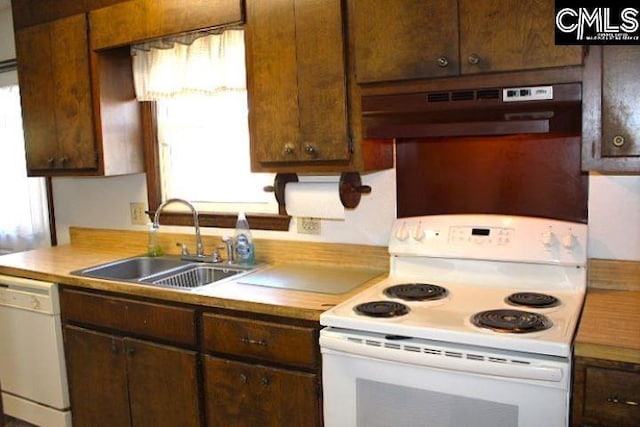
<point>96,369</point>
<point>163,385</point>
<point>426,39</point>
<point>121,381</point>
<point>506,35</point>
<point>239,394</point>
<point>55,89</point>
<point>605,393</point>
<point>134,21</point>
<point>405,40</point>
<point>175,324</point>
<point>292,345</point>
<point>610,122</point>
<point>296,83</point>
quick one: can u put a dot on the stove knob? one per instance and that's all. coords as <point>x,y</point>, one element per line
<point>419,232</point>
<point>547,238</point>
<point>402,233</point>
<point>568,240</point>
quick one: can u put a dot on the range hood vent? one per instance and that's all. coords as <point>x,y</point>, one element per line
<point>470,112</point>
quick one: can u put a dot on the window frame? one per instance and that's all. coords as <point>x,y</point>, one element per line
<point>258,221</point>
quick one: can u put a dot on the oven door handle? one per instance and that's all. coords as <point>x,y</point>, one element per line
<point>452,361</point>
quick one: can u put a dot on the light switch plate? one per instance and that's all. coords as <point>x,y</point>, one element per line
<point>307,225</point>
<point>138,216</point>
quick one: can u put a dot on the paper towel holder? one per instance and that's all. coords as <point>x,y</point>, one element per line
<point>351,189</point>
<point>279,182</point>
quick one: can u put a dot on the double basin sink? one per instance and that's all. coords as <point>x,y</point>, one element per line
<point>165,271</point>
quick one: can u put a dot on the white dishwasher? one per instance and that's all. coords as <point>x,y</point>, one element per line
<point>33,376</point>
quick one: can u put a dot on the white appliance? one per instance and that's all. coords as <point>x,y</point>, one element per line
<point>32,367</point>
<point>445,340</point>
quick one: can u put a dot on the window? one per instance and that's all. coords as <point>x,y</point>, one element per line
<point>197,84</point>
<point>24,217</point>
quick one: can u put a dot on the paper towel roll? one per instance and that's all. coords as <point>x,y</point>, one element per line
<point>314,199</point>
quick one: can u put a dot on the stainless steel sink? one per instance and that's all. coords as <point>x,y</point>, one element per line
<point>166,271</point>
<point>193,276</point>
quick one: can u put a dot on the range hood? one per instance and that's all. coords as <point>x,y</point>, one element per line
<point>473,112</point>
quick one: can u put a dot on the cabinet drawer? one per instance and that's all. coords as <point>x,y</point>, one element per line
<point>288,344</point>
<point>612,396</point>
<point>175,324</point>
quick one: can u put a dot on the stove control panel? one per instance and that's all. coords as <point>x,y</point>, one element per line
<point>496,237</point>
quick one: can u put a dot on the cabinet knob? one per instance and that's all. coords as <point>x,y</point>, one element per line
<point>310,150</point>
<point>443,61</point>
<point>288,150</point>
<point>114,347</point>
<point>50,162</point>
<point>618,141</point>
<point>474,59</point>
<point>265,381</point>
<point>63,161</point>
<point>243,378</point>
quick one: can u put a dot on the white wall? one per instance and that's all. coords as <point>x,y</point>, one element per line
<point>614,203</point>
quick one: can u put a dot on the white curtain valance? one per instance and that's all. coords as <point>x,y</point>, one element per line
<point>191,64</point>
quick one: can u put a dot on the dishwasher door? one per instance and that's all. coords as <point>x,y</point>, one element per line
<point>33,376</point>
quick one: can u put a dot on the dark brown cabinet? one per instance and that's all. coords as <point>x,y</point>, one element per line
<point>80,117</point>
<point>118,380</point>
<point>242,394</point>
<point>297,83</point>
<point>611,122</point>
<point>259,372</point>
<point>134,21</point>
<point>436,38</point>
<point>605,393</point>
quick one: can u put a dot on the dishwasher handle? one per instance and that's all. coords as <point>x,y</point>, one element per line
<point>29,294</point>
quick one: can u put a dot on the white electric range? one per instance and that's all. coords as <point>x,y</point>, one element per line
<point>478,313</point>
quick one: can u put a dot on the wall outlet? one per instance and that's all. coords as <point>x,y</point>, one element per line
<point>308,225</point>
<point>138,216</point>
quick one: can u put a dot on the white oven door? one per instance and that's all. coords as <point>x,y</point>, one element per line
<point>372,381</point>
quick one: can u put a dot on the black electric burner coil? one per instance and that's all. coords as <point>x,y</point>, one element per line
<point>416,292</point>
<point>532,299</point>
<point>384,309</point>
<point>512,321</point>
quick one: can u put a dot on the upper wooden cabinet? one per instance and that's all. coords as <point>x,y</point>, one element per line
<point>610,109</point>
<point>139,20</point>
<point>296,83</point>
<point>440,38</point>
<point>79,110</point>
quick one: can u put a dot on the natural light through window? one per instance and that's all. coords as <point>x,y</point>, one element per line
<point>24,218</point>
<point>199,87</point>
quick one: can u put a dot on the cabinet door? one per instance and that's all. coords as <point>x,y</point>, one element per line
<point>610,122</point>
<point>405,40</point>
<point>53,68</point>
<point>620,101</point>
<point>163,385</point>
<point>296,82</point>
<point>505,35</point>
<point>242,395</point>
<point>97,372</point>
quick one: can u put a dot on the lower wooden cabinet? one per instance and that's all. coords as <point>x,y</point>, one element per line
<point>244,395</point>
<point>261,372</point>
<point>140,362</point>
<point>605,393</point>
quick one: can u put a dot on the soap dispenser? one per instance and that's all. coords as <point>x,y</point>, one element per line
<point>245,253</point>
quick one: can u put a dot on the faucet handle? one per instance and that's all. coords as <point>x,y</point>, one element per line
<point>184,251</point>
<point>215,256</point>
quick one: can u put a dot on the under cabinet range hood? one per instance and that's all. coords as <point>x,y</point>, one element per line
<point>471,112</point>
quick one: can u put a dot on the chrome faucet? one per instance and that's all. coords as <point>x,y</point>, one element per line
<point>156,224</point>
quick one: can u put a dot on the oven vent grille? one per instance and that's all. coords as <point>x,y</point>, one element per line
<point>434,351</point>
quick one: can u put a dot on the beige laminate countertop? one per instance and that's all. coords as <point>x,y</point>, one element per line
<point>55,264</point>
<point>610,326</point>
